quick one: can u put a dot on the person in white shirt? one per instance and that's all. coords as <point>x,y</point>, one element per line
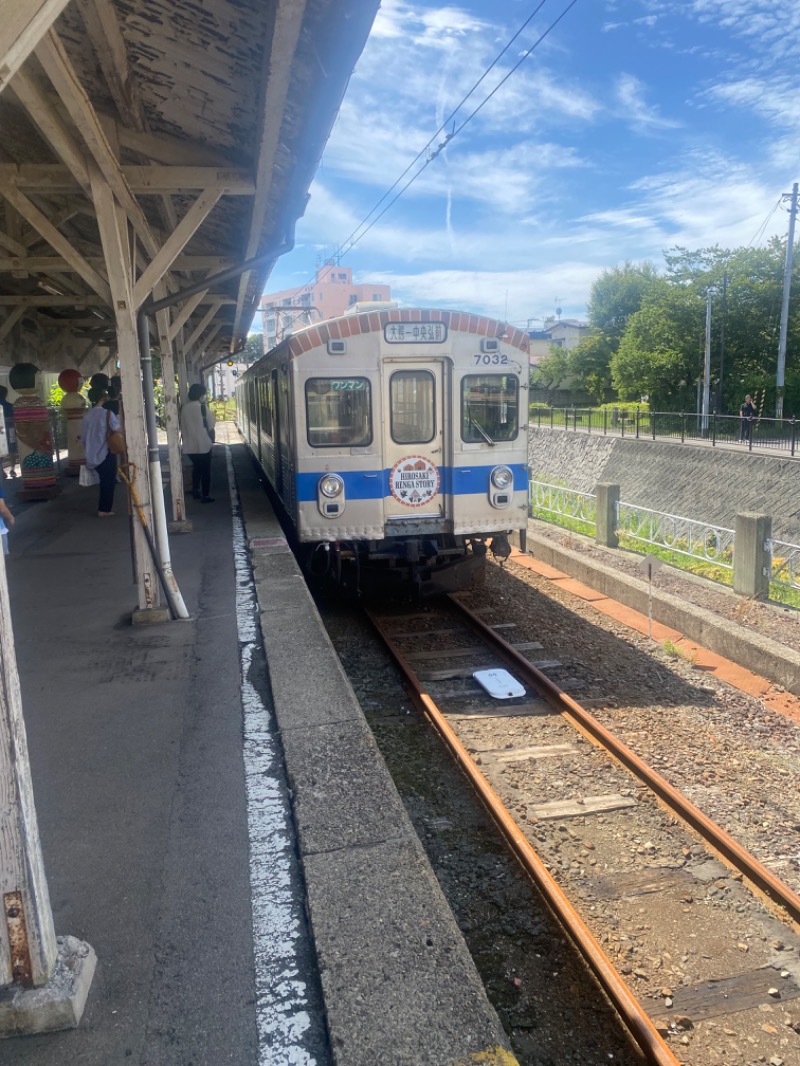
<point>197,433</point>
<point>97,423</point>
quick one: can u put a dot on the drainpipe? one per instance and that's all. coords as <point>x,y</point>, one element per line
<point>153,455</point>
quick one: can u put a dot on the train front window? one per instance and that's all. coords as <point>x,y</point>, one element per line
<point>489,406</point>
<point>338,412</point>
<point>413,412</point>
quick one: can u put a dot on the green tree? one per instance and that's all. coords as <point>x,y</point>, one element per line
<point>253,349</point>
<point>616,295</point>
<point>549,373</point>
<point>661,352</point>
<point>589,365</point>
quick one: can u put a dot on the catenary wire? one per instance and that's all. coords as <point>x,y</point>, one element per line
<point>352,241</point>
<point>362,228</point>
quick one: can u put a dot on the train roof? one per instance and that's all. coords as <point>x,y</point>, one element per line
<point>354,325</point>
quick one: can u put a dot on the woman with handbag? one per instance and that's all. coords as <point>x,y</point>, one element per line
<point>197,433</point>
<point>102,442</point>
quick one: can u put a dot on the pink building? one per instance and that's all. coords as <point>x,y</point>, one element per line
<point>328,296</point>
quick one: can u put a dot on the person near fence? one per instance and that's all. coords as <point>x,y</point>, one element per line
<point>96,426</point>
<point>747,413</point>
<point>197,434</point>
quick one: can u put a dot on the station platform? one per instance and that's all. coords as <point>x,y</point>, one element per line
<point>216,820</point>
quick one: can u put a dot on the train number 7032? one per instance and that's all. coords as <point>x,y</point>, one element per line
<point>491,360</point>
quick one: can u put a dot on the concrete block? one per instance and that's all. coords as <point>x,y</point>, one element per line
<point>150,616</point>
<point>393,963</point>
<point>343,794</point>
<point>751,558</point>
<point>184,526</point>
<point>319,693</point>
<point>58,1004</point>
<point>607,509</point>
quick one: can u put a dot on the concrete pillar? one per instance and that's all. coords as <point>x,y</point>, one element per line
<point>606,522</point>
<point>751,556</point>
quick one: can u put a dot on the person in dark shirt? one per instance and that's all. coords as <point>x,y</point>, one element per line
<point>747,413</point>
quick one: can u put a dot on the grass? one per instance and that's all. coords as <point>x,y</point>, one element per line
<point>674,652</point>
<point>699,567</point>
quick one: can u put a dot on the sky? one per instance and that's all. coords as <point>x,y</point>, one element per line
<point>633,126</point>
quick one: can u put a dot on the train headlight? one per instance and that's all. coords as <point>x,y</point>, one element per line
<point>331,486</point>
<point>502,477</point>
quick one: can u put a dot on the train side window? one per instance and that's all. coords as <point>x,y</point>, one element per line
<point>489,408</point>
<point>412,406</point>
<point>339,412</point>
<point>265,404</point>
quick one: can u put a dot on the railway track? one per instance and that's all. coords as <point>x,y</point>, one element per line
<point>666,908</point>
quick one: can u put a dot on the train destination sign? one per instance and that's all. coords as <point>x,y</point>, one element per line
<point>414,481</point>
<point>415,333</point>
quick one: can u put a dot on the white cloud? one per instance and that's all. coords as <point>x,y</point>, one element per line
<point>630,93</point>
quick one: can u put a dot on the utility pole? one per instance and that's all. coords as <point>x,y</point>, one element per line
<point>722,341</point>
<point>787,284</point>
<point>707,365</point>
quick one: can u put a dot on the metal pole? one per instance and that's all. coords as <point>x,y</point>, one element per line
<point>707,366</point>
<point>722,340</point>
<point>787,284</point>
<point>173,593</point>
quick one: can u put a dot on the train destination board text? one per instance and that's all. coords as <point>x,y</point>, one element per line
<point>415,332</point>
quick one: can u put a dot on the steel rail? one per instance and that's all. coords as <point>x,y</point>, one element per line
<point>638,1024</point>
<point>721,841</point>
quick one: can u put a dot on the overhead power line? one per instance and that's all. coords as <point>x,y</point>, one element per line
<point>360,232</point>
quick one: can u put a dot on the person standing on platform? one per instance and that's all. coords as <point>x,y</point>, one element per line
<point>197,434</point>
<point>11,434</point>
<point>747,413</point>
<point>6,520</point>
<point>97,424</point>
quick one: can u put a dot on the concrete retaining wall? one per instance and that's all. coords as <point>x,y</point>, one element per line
<point>696,481</point>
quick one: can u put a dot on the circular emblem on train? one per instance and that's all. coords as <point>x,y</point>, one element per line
<point>414,481</point>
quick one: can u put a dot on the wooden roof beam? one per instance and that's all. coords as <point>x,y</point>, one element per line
<point>23,25</point>
<point>202,324</point>
<point>283,46</point>
<point>102,26</point>
<point>55,61</point>
<point>57,241</point>
<point>141,180</point>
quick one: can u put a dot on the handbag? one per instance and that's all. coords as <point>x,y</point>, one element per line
<point>88,477</point>
<point>114,439</point>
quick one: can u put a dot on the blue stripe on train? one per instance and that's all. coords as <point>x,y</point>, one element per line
<point>374,484</point>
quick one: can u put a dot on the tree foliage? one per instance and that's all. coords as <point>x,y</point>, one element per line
<point>649,329</point>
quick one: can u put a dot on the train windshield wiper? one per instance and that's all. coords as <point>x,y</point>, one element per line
<point>480,429</point>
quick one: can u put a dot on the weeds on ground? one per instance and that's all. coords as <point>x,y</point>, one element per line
<point>674,652</point>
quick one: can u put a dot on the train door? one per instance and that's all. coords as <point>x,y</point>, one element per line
<point>414,443</point>
<point>279,421</point>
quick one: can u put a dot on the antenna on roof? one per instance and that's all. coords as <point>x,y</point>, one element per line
<point>558,307</point>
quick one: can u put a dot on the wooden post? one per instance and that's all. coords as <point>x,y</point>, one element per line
<point>179,523</point>
<point>117,253</point>
<point>45,986</point>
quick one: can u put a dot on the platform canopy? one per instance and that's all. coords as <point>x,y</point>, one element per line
<point>146,145</point>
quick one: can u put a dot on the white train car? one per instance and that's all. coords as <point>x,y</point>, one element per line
<point>396,441</point>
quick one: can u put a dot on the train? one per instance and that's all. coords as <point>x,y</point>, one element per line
<point>396,442</point>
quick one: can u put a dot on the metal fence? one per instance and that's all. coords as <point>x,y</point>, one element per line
<point>702,541</point>
<point>785,564</point>
<point>686,536</point>
<point>557,500</point>
<point>781,434</point>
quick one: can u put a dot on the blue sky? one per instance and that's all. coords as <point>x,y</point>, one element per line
<point>634,126</point>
